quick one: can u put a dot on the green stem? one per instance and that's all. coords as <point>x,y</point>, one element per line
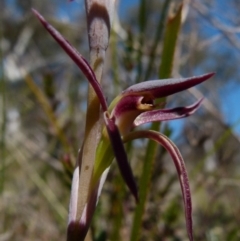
<point>144,184</point>
<point>158,38</point>
<point>99,27</point>
<point>170,41</point>
<point>118,184</point>
<point>92,131</point>
<point>117,208</point>
<point>142,25</point>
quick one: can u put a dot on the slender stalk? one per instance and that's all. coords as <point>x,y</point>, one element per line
<point>91,138</point>
<point>171,34</point>
<point>158,38</point>
<point>117,213</point>
<point>116,203</point>
<point>99,17</point>
<point>169,45</point>
<point>142,26</point>
<point>144,184</point>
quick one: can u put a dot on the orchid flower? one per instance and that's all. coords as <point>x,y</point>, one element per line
<point>133,107</point>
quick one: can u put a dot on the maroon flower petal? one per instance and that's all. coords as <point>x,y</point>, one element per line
<point>76,57</point>
<point>126,104</point>
<point>165,87</point>
<point>127,109</point>
<point>167,114</point>
<point>120,155</point>
<point>180,166</point>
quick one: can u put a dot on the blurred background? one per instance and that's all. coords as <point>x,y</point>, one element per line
<point>42,118</point>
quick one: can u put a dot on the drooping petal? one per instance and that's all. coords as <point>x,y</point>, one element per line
<point>165,87</point>
<point>120,155</point>
<point>76,57</point>
<point>167,114</point>
<point>179,164</point>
